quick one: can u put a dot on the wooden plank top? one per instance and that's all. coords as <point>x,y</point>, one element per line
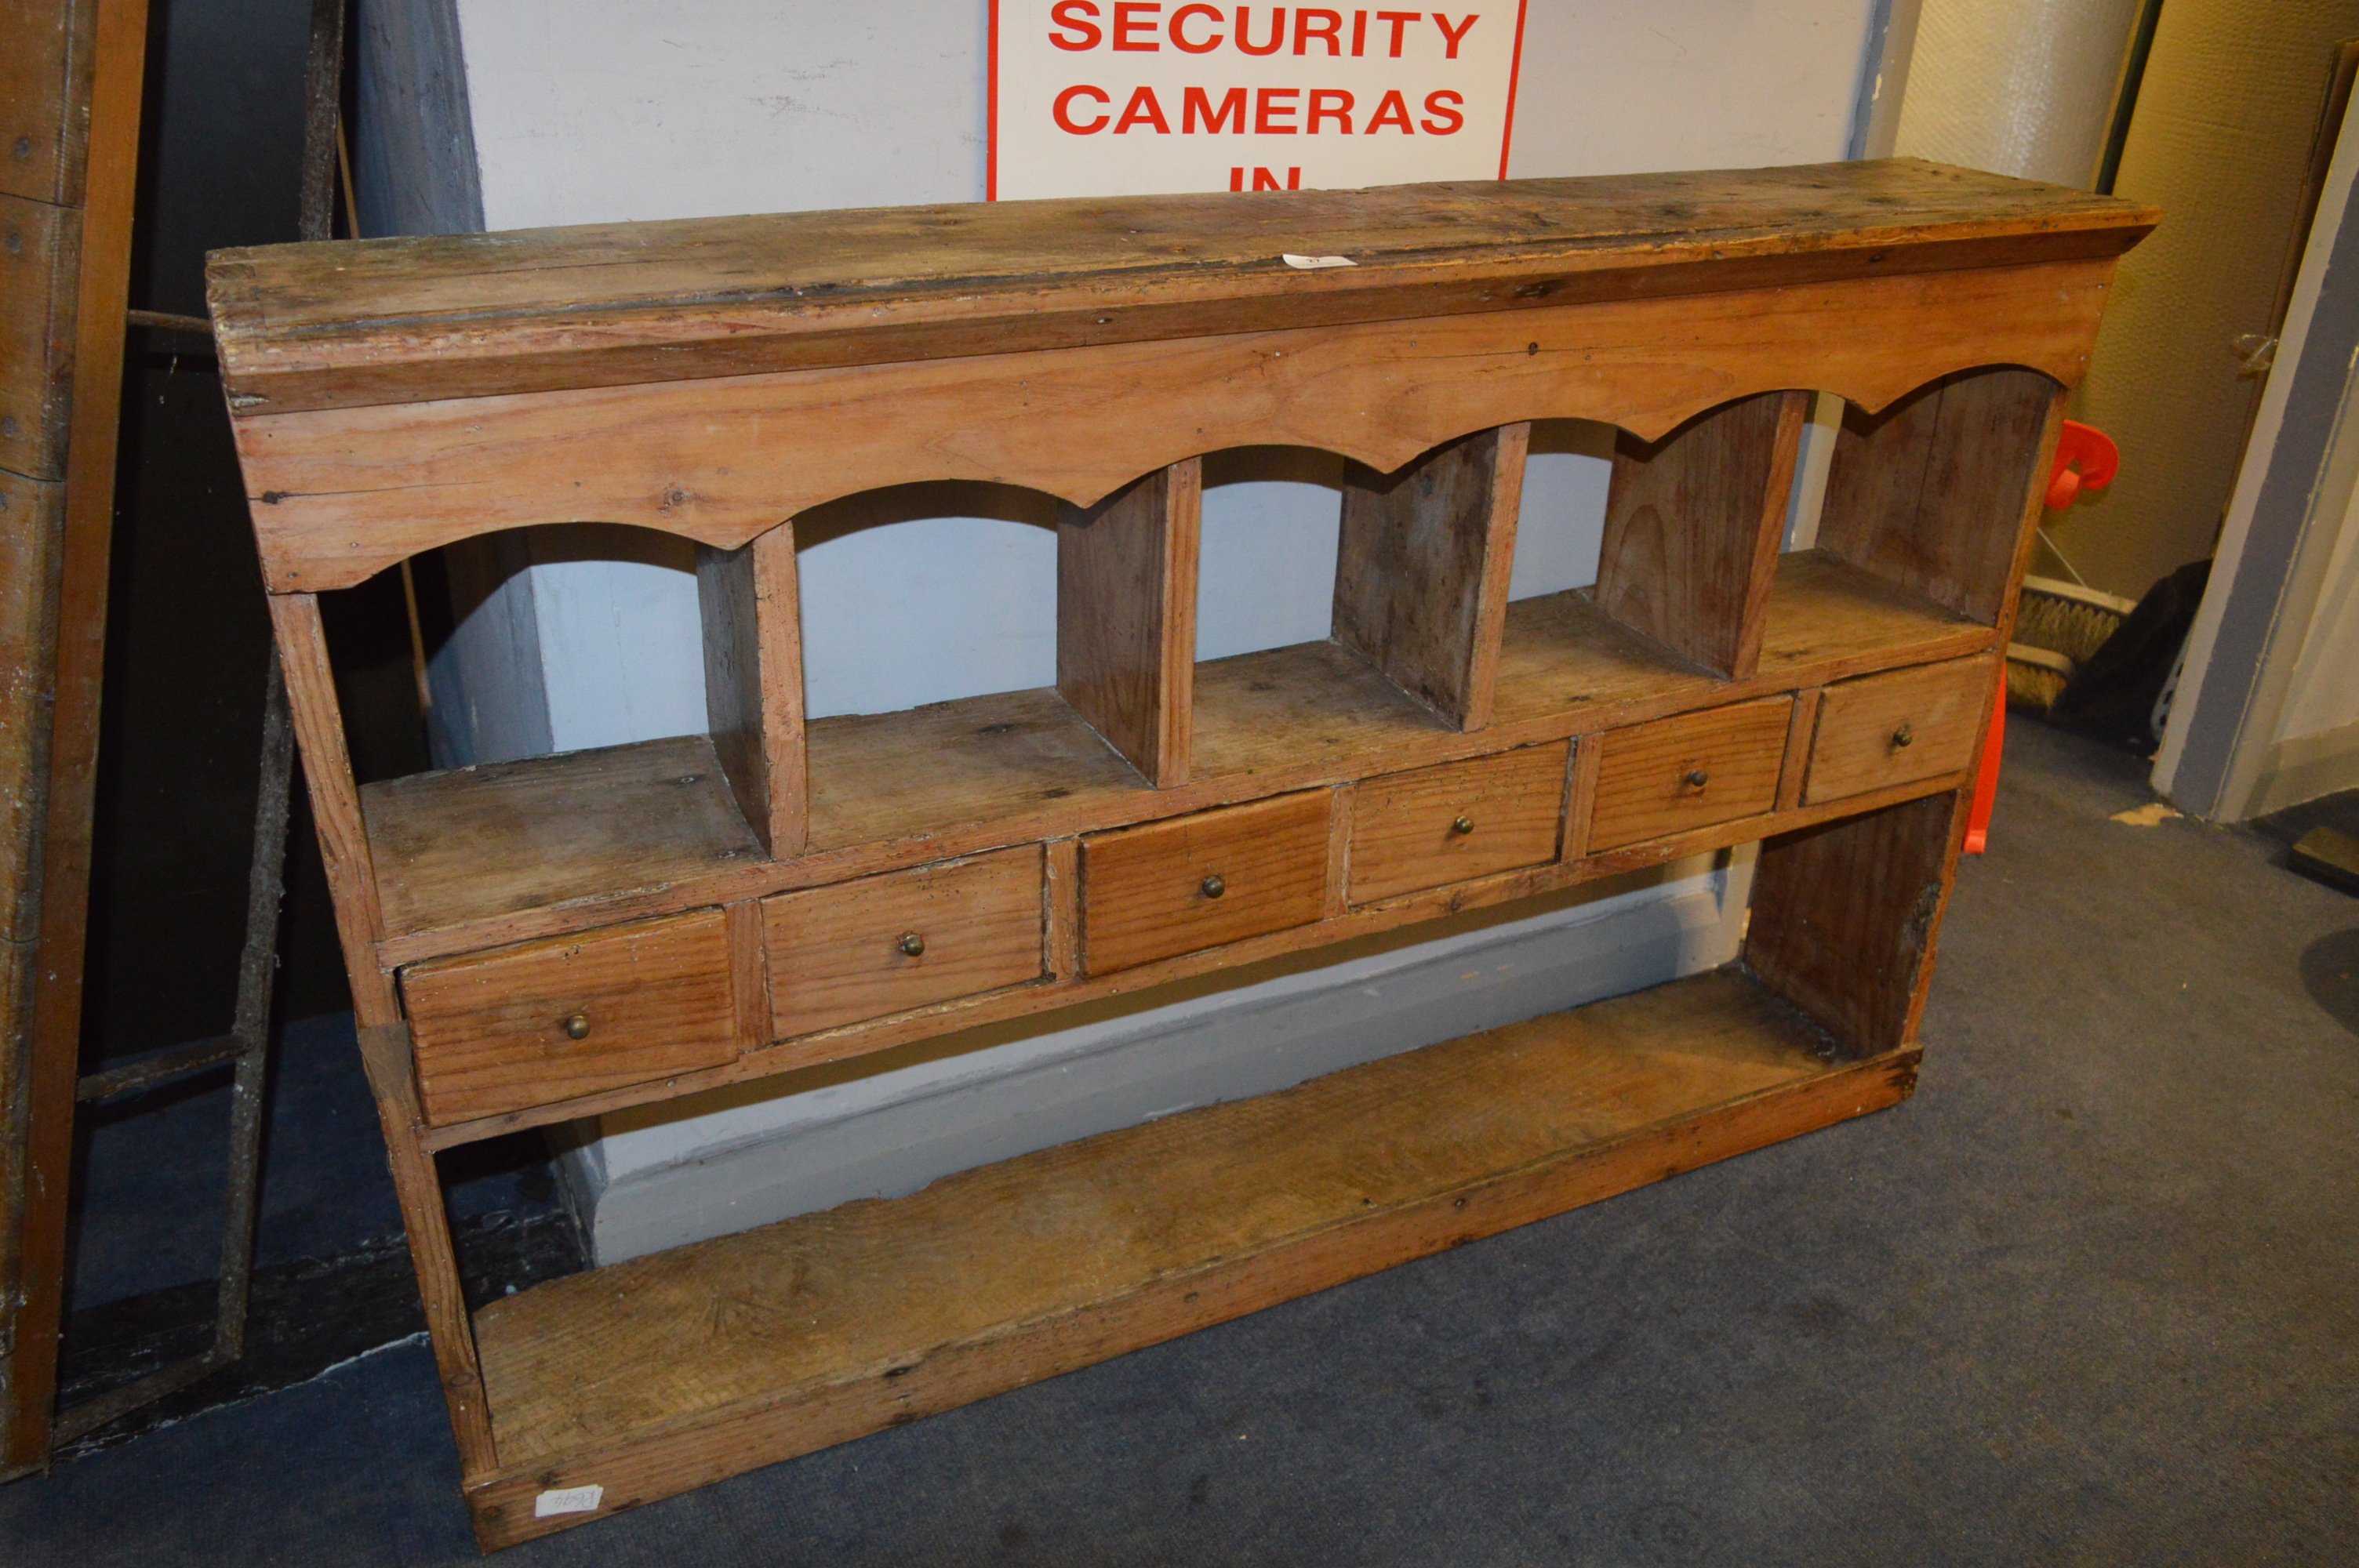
<point>352,323</point>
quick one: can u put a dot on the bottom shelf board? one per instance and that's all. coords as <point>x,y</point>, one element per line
<point>673,1370</point>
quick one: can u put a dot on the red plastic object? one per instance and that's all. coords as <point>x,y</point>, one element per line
<point>1978,814</point>
<point>2086,459</point>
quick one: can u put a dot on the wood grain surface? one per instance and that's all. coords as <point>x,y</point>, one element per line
<point>44,86</point>
<point>1365,920</point>
<point>40,257</point>
<point>1656,779</point>
<point>1406,831</point>
<point>1126,618</point>
<point>1423,559</point>
<point>837,954</point>
<point>1889,729</point>
<point>753,684</point>
<point>490,1030</point>
<point>1844,916</point>
<point>1692,526</point>
<point>1924,495</point>
<point>1149,893</point>
<point>342,493</point>
<point>504,852</point>
<point>388,320</point>
<point>673,1369</point>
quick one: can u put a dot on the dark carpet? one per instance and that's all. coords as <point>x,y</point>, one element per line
<point>2088,1298</point>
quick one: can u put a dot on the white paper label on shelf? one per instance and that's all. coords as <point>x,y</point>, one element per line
<point>568,1500</point>
<point>1311,264</point>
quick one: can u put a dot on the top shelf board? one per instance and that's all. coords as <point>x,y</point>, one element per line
<point>363,322</point>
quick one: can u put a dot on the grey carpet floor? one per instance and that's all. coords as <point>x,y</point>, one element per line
<point>2088,1298</point>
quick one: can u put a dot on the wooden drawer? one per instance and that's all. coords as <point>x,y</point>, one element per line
<point>1198,881</point>
<point>1690,772</point>
<point>838,954</point>
<point>498,1032</point>
<point>1896,729</point>
<point>1460,821</point>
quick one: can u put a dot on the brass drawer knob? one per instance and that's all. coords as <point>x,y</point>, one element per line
<point>578,1026</point>
<point>1698,778</point>
<point>1215,885</point>
<point>1463,825</point>
<point>1904,736</point>
<point>912,944</point>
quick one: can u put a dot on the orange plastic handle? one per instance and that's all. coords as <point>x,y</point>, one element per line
<point>2086,459</point>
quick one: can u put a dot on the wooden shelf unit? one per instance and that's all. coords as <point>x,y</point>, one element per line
<point>540,940</point>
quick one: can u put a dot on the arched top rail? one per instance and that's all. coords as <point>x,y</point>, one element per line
<point>1865,285</point>
<point>337,497</point>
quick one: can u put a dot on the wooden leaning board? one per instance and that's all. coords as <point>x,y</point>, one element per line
<point>540,940</point>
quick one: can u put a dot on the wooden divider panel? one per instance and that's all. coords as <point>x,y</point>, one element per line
<point>1843,917</point>
<point>1126,617</point>
<point>1925,494</point>
<point>754,683</point>
<point>1692,526</point>
<point>1421,569</point>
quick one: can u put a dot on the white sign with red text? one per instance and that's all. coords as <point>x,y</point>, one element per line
<point>1141,97</point>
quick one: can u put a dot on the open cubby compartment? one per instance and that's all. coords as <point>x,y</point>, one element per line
<point>1422,560</point>
<point>1693,598</point>
<point>1933,493</point>
<point>1114,727</point>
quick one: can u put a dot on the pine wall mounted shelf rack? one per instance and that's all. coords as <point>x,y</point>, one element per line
<point>550,938</point>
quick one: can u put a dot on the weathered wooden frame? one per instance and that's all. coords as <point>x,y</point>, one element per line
<point>1681,697</point>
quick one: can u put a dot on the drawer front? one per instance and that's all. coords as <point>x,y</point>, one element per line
<point>1896,729</point>
<point>1452,822</point>
<point>863,950</point>
<point>1198,882</point>
<point>1690,771</point>
<point>498,1032</point>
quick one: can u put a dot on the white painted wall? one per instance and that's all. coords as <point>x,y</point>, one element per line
<point>604,110</point>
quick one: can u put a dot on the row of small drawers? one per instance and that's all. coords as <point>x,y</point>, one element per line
<point>556,1019</point>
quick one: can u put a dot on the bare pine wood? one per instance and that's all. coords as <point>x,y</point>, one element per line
<point>1796,768</point>
<point>385,1057</point>
<point>336,816</point>
<point>1890,729</point>
<point>505,852</point>
<point>1202,880</point>
<point>474,844</point>
<point>78,123</point>
<point>572,1016</point>
<point>721,461</point>
<point>1443,751</point>
<point>1692,526</point>
<point>1844,915</point>
<point>754,683</point>
<point>1126,618</point>
<point>1367,919</point>
<point>1421,568</point>
<point>1061,907</point>
<point>1911,490</point>
<point>844,953</point>
<point>44,84</point>
<point>749,974</point>
<point>394,320</point>
<point>1656,779</point>
<point>876,1312</point>
<point>40,255</point>
<point>1580,796</point>
<point>1456,822</point>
